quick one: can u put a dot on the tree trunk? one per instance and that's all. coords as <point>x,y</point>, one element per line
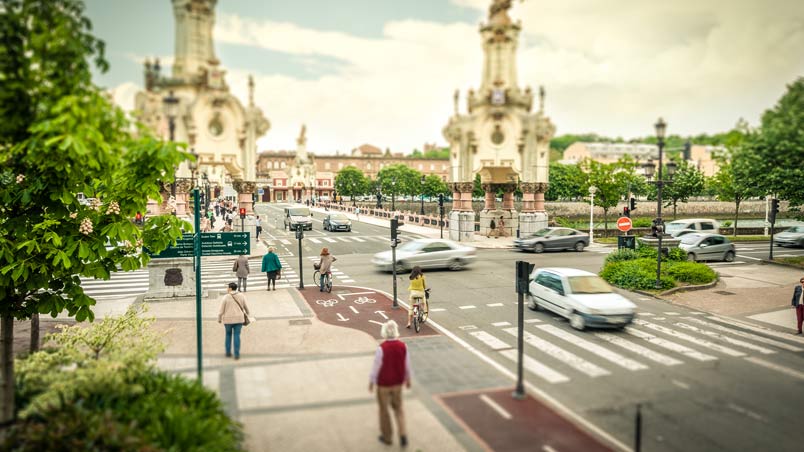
<point>736,216</point>
<point>6,369</point>
<point>35,333</point>
<point>606,221</point>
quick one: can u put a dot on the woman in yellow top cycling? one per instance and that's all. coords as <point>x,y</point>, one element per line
<point>416,288</point>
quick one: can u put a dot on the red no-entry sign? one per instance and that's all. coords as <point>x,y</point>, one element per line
<point>624,224</point>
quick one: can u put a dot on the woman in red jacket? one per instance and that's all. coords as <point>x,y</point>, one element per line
<point>391,369</point>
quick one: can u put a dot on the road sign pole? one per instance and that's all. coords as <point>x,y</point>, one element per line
<point>300,236</point>
<point>522,276</point>
<point>197,258</point>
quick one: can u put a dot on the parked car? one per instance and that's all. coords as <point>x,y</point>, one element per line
<point>337,222</point>
<point>707,247</point>
<point>298,215</point>
<point>790,237</point>
<point>677,228</point>
<point>427,253</point>
<point>584,298</point>
<point>553,239</point>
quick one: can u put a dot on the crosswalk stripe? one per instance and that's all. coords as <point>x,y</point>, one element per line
<point>358,239</point>
<point>785,370</point>
<point>345,239</point>
<point>591,347</point>
<point>639,350</point>
<point>315,240</point>
<point>284,241</point>
<point>488,339</point>
<point>757,329</point>
<point>688,338</point>
<point>730,340</point>
<point>669,345</point>
<point>330,240</point>
<point>536,367</point>
<point>560,354</point>
<point>754,337</point>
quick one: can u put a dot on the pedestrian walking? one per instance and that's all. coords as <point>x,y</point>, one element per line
<point>259,226</point>
<point>390,371</point>
<point>357,212</point>
<point>798,303</point>
<point>272,267</point>
<point>324,266</point>
<point>232,313</point>
<point>501,225</point>
<point>240,267</point>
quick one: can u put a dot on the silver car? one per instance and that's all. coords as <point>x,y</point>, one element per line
<point>337,222</point>
<point>707,247</point>
<point>553,239</point>
<point>427,253</point>
<point>791,237</point>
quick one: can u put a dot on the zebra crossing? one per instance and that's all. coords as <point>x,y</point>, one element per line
<point>556,354</point>
<point>214,275</point>
<point>323,240</point>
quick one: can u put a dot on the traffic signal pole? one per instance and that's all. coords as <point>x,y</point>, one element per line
<point>394,232</point>
<point>197,258</point>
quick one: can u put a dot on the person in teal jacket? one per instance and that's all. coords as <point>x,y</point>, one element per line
<point>272,267</point>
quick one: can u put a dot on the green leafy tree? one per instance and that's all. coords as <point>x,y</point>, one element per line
<point>775,153</point>
<point>733,182</point>
<point>350,181</point>
<point>59,136</point>
<point>477,188</point>
<point>610,179</point>
<point>434,186</point>
<point>688,181</point>
<point>565,182</point>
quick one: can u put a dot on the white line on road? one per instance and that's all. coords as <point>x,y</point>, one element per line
<point>591,347</point>
<point>467,327</point>
<point>536,368</point>
<point>639,350</point>
<point>671,313</point>
<point>501,324</point>
<point>500,410</point>
<point>664,343</point>
<point>488,339</point>
<point>374,321</point>
<point>560,354</point>
<point>354,310</point>
<point>547,448</point>
<point>470,306</point>
<point>753,415</point>
<point>533,321</point>
<point>358,239</point>
<point>315,240</point>
<point>737,323</point>
<point>437,309</point>
<point>330,240</point>
<point>751,336</point>
<point>680,384</point>
<point>769,365</point>
<point>688,338</point>
<point>494,305</point>
<point>730,340</point>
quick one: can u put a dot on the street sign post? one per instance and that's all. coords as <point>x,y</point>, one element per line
<point>624,224</point>
<point>212,244</point>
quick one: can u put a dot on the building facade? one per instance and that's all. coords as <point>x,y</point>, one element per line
<point>701,156</point>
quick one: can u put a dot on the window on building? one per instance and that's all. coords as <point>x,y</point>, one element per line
<point>282,165</point>
<point>368,166</point>
<point>326,165</point>
<point>325,183</point>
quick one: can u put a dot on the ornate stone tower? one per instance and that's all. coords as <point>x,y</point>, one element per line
<point>197,102</point>
<point>301,172</point>
<point>499,138</point>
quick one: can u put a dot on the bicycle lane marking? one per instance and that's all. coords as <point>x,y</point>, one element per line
<point>360,308</point>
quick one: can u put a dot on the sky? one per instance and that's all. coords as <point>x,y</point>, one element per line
<point>384,71</point>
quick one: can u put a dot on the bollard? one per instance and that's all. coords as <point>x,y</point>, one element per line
<point>638,432</point>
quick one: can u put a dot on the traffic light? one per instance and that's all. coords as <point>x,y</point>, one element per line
<point>687,150</point>
<point>633,205</point>
<point>626,212</point>
<point>440,200</point>
<point>242,212</point>
<point>774,210</point>
<point>394,227</point>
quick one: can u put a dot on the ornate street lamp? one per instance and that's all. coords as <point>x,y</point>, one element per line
<point>658,226</point>
<point>171,105</point>
<point>422,182</point>
<point>592,191</point>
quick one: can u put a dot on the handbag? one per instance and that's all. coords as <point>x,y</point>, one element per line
<point>279,274</point>
<point>246,319</point>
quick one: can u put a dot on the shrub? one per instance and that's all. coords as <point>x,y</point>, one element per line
<point>642,222</point>
<point>620,255</point>
<point>637,274</point>
<point>691,272</point>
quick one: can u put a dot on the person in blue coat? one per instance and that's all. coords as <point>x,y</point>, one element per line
<point>798,303</point>
<point>272,267</point>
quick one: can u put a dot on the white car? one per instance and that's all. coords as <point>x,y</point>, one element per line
<point>584,298</point>
<point>427,253</point>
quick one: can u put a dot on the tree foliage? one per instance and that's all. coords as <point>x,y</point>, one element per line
<point>351,181</point>
<point>565,182</point>
<point>688,181</point>
<point>612,181</point>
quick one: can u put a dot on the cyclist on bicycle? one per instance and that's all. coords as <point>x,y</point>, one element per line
<point>416,288</point>
<point>324,266</point>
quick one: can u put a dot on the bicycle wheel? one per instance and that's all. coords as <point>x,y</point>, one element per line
<point>416,323</point>
<point>317,278</point>
<point>328,283</point>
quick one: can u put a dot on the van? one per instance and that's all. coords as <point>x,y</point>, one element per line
<point>298,215</point>
<point>677,228</point>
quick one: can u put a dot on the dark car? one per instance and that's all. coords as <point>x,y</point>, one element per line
<point>553,239</point>
<point>337,222</point>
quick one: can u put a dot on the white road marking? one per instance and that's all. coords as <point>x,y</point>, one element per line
<point>533,321</point>
<point>753,415</point>
<point>639,350</point>
<point>315,240</point>
<point>547,448</point>
<point>491,341</point>
<point>681,384</point>
<point>730,340</point>
<point>358,239</point>
<point>470,306</point>
<point>501,324</point>
<point>284,241</point>
<point>354,310</point>
<point>374,321</point>
<point>341,318</point>
<point>748,326</point>
<point>500,410</point>
<point>591,347</point>
<point>664,343</point>
<point>754,337</point>
<point>671,313</point>
<point>330,240</point>
<point>645,314</point>
<point>381,313</point>
<point>494,305</point>
<point>785,370</point>
<point>348,280</point>
<point>688,338</point>
<point>437,309</point>
<point>560,354</point>
<point>697,313</point>
<point>467,327</point>
<point>536,368</point>
<point>345,239</point>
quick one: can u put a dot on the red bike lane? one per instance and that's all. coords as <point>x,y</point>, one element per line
<point>360,308</point>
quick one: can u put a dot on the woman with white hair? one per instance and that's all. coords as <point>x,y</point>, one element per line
<point>272,267</point>
<point>391,369</point>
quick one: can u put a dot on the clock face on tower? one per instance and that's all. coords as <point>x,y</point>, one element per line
<point>497,96</point>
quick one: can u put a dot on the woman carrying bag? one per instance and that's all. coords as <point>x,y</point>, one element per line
<point>233,313</point>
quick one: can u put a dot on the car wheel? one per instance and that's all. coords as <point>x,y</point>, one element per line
<point>691,257</point>
<point>729,257</point>
<point>349,230</point>
<point>455,265</point>
<point>577,321</point>
<point>532,304</point>
<point>538,248</point>
<point>401,267</point>
<point>579,246</point>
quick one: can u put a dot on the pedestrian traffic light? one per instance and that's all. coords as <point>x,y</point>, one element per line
<point>626,212</point>
<point>774,210</point>
<point>440,200</point>
<point>242,212</point>
<point>633,204</point>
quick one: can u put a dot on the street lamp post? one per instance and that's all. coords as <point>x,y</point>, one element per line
<point>393,195</point>
<point>354,187</point>
<point>379,196</point>
<point>205,180</point>
<point>658,226</point>
<point>422,182</point>
<point>592,191</point>
<point>171,104</point>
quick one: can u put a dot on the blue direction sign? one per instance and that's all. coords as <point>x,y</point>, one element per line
<point>212,244</point>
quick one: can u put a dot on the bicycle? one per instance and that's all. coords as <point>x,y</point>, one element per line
<point>327,279</point>
<point>419,316</point>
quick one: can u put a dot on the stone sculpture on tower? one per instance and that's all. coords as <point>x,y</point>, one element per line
<point>500,138</point>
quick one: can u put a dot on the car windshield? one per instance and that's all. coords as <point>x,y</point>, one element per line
<point>542,232</point>
<point>673,226</point>
<point>338,217</point>
<point>690,239</point>
<point>300,212</point>
<point>588,284</point>
<point>796,229</point>
<point>410,246</point>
